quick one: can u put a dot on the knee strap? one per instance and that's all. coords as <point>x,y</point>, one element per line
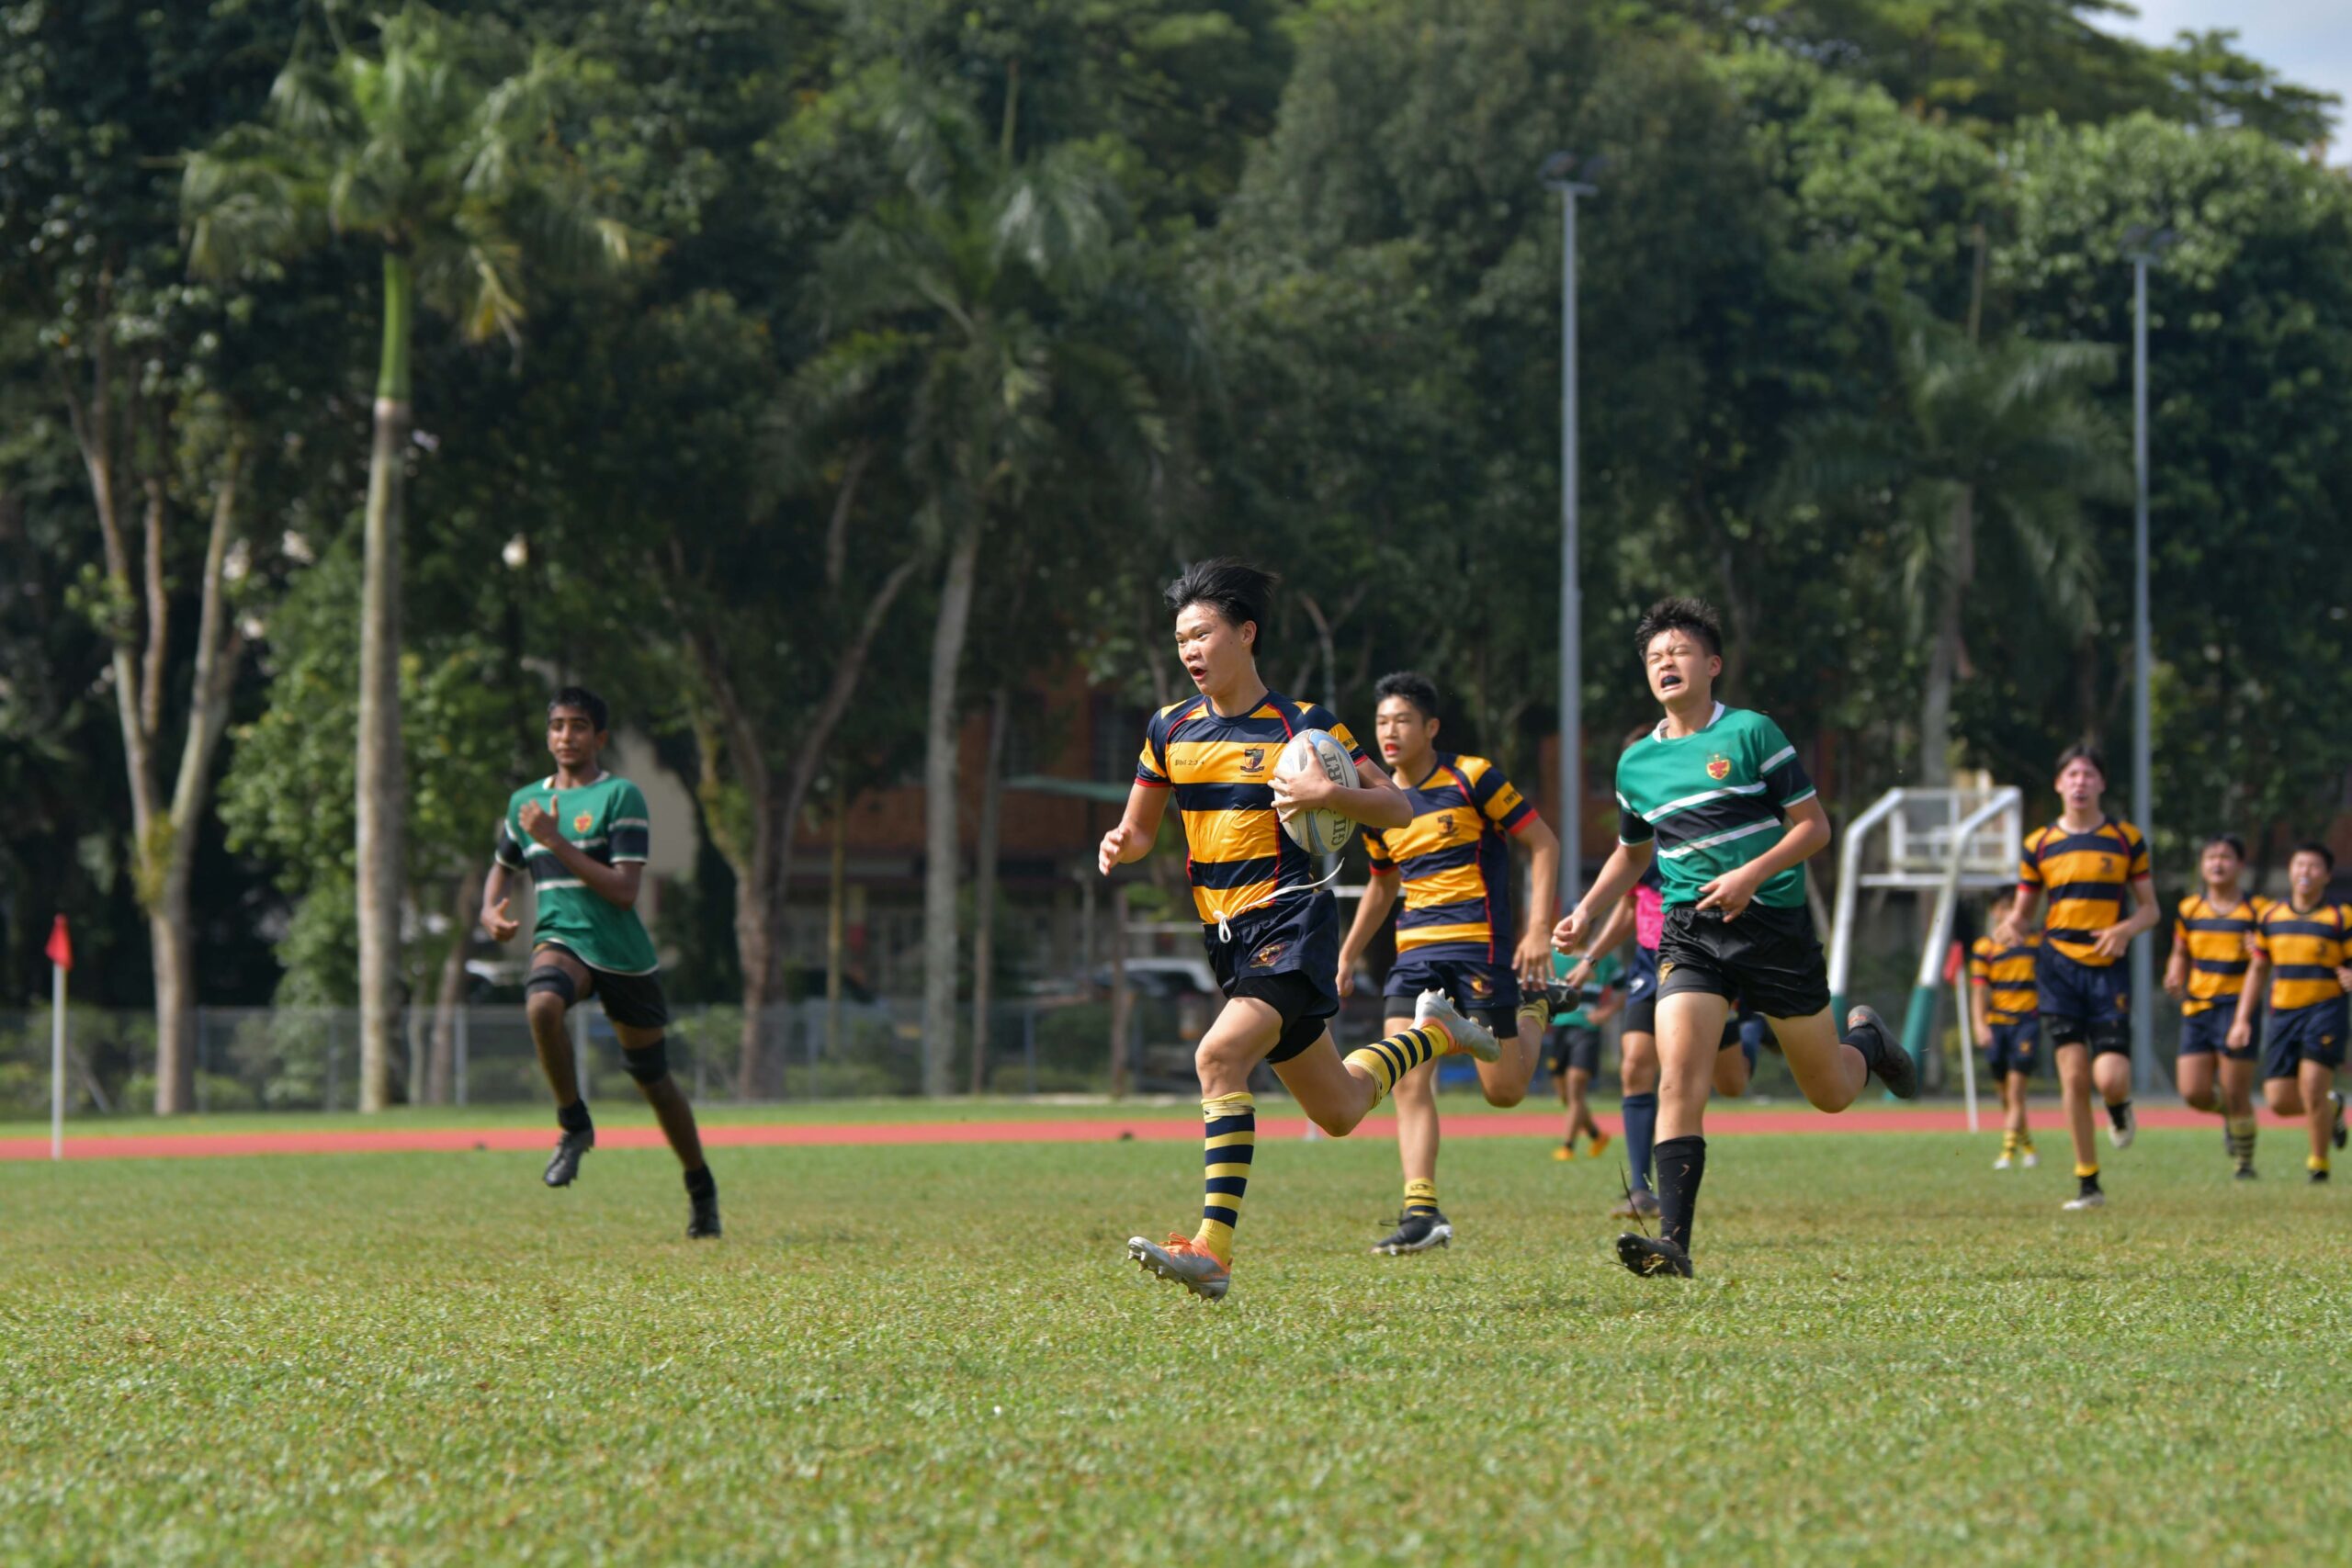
<point>647,1064</point>
<point>553,981</point>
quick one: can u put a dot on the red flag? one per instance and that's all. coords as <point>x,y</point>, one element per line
<point>61,945</point>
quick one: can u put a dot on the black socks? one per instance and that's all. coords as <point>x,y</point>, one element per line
<point>2117,1113</point>
<point>573,1118</point>
<point>1681,1163</point>
<point>700,1183</point>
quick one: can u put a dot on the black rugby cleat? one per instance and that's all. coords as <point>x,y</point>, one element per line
<point>564,1164</point>
<point>704,1196</point>
<point>1892,1063</point>
<point>1649,1256</point>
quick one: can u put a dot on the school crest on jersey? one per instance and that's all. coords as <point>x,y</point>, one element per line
<point>1253,759</point>
<point>1445,824</point>
<point>583,822</point>
<point>1719,767</point>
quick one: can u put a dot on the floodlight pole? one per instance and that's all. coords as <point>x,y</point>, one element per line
<point>2143,1049</point>
<point>1571,762</point>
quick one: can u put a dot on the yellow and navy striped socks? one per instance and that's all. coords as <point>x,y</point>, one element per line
<point>2241,1131</point>
<point>1421,1198</point>
<point>1390,1059</point>
<point>1230,1137</point>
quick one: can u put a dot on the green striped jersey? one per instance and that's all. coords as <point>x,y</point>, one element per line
<point>1712,801</point>
<point>608,820</point>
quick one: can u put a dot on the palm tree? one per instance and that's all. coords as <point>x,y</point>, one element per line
<point>2005,435</point>
<point>419,152</point>
<point>978,301</point>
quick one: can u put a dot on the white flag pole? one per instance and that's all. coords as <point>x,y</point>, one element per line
<point>57,1062</point>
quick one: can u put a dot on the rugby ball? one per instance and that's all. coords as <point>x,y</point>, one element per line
<point>1319,832</point>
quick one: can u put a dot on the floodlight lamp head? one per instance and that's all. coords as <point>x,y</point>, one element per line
<point>2147,242</point>
<point>1572,172</point>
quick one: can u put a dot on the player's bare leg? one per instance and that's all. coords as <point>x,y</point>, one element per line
<point>1689,1037</point>
<point>2199,1084</point>
<point>2013,1112</point>
<point>1505,1079</point>
<point>548,1010</point>
<point>1336,1094</point>
<point>1421,1224</point>
<point>1830,1072</point>
<point>646,1054</point>
<point>1731,1072</point>
<point>2073,1061</point>
<point>2320,1110</point>
<point>1575,1089</point>
<point>557,982</point>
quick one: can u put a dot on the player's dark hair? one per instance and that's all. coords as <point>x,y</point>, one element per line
<point>1680,614</point>
<point>1417,689</point>
<point>2082,751</point>
<point>2236,844</point>
<point>1233,588</point>
<point>2313,847</point>
<point>586,700</point>
<point>1636,735</point>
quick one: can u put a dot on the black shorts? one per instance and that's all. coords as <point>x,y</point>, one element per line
<point>2014,1047</point>
<point>2207,1033</point>
<point>1641,992</point>
<point>1286,954</point>
<point>633,1001</point>
<point>1571,1045</point>
<point>2314,1033</point>
<point>2085,1003</point>
<point>1769,958</point>
<point>1476,988</point>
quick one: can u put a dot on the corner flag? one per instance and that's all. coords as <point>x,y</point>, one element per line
<point>61,945</point>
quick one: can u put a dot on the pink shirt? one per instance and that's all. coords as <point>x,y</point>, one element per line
<point>1649,916</point>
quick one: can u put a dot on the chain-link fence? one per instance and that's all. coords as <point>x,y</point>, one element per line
<point>261,1059</point>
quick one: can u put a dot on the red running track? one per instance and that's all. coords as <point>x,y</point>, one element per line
<point>1482,1124</point>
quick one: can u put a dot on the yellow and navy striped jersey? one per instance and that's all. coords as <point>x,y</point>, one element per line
<point>2087,877</point>
<point>2216,940</point>
<point>1221,769</point>
<point>2008,973</point>
<point>1455,860</point>
<point>2305,948</point>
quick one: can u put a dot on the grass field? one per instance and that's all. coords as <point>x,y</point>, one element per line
<point>938,1354</point>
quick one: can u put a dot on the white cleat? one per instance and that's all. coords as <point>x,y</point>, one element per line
<point>2092,1200</point>
<point>2122,1136</point>
<point>2003,1163</point>
<point>1185,1262</point>
<point>1467,1034</point>
<point>2029,1159</point>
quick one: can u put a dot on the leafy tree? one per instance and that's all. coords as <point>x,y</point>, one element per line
<point>975,303</point>
<point>2250,335</point>
<point>420,152</point>
<point>2006,435</point>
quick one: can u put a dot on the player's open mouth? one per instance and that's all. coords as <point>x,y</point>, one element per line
<point>1669,681</point>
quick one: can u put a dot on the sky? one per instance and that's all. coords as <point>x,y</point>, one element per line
<point>2307,42</point>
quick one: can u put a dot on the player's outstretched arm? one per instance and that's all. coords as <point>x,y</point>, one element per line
<point>1372,910</point>
<point>2250,995</point>
<point>1131,839</point>
<point>1618,874</point>
<point>1543,847</point>
<point>1807,832</point>
<point>495,920</point>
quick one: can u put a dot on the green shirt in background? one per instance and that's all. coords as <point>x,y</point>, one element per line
<point>607,821</point>
<point>1605,974</point>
